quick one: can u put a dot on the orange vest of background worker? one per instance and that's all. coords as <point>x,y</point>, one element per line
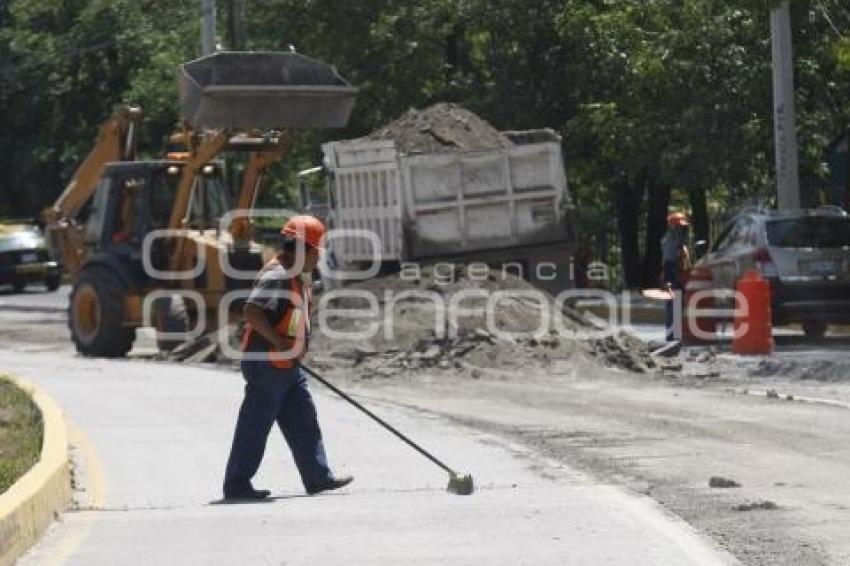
<point>276,338</point>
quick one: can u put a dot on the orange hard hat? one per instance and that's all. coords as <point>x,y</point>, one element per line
<point>308,229</point>
<point>678,219</point>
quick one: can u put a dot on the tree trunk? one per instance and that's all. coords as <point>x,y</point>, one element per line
<point>656,225</point>
<point>699,214</point>
<point>628,199</point>
<point>453,63</point>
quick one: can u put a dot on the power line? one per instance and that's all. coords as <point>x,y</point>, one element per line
<point>829,20</point>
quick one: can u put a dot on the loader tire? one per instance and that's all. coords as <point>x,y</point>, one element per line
<point>96,314</point>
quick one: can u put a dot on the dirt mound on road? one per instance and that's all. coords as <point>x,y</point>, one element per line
<point>469,319</point>
<point>440,128</point>
<point>461,319</point>
<point>803,369</point>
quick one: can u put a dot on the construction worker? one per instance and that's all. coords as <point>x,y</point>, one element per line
<point>277,332</point>
<point>676,261</point>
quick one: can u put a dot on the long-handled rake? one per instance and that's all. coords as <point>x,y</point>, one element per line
<point>460,484</point>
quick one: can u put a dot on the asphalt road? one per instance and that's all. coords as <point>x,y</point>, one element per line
<point>161,433</point>
<point>150,442</point>
<point>35,299</point>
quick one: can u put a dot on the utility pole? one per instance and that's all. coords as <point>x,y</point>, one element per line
<point>237,25</point>
<point>207,27</point>
<point>784,114</point>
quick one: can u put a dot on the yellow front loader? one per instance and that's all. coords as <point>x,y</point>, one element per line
<point>128,230</point>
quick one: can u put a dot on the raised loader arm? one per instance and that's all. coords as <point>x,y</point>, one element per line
<point>206,150</point>
<point>258,164</point>
<point>268,151</point>
<point>115,142</point>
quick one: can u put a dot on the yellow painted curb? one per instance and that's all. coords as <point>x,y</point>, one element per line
<point>40,495</point>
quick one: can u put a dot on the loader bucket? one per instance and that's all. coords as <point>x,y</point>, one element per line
<point>263,90</point>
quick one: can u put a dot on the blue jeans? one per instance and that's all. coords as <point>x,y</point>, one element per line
<point>671,276</point>
<point>275,395</point>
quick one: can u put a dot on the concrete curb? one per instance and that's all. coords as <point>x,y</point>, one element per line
<point>40,495</point>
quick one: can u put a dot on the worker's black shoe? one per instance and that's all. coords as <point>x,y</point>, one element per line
<point>333,483</point>
<point>247,495</point>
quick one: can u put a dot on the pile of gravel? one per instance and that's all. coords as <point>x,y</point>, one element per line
<point>409,335</point>
<point>443,127</point>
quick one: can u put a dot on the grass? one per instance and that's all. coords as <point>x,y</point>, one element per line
<point>20,433</point>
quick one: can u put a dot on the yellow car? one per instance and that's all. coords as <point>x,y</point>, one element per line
<point>24,258</point>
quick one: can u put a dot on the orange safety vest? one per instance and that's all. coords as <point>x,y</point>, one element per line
<point>294,326</point>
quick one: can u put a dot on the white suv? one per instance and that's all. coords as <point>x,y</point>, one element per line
<point>805,254</point>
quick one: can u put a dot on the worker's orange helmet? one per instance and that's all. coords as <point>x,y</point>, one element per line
<point>308,229</point>
<point>678,219</point>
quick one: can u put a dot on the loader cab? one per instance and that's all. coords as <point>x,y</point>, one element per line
<point>130,200</point>
<point>134,198</point>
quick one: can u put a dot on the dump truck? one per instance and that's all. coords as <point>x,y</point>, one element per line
<point>507,206</point>
<point>129,230</point>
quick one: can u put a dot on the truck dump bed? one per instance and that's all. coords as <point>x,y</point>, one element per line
<point>443,204</point>
<point>264,90</point>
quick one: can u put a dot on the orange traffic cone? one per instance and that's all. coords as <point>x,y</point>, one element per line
<point>753,330</point>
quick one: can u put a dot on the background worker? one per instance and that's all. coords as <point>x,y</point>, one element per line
<point>676,262</point>
<point>277,316</point>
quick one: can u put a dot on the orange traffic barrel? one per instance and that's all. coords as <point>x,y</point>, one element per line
<point>698,324</point>
<point>753,328</point>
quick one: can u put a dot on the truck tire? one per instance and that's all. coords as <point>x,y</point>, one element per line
<point>52,282</point>
<point>171,316</point>
<point>814,329</point>
<point>96,314</point>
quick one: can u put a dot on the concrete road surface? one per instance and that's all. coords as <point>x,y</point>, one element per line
<point>150,442</point>
<point>35,299</point>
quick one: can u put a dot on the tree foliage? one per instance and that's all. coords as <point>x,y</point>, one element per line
<point>658,100</point>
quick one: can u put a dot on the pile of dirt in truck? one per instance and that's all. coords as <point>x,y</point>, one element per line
<point>439,128</point>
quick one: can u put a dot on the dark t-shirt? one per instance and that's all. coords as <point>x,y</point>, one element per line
<point>272,291</point>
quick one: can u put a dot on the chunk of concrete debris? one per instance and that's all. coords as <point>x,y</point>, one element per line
<point>361,353</point>
<point>703,373</point>
<point>481,334</point>
<point>432,353</point>
<point>704,357</point>
<point>756,506</point>
<point>670,366</point>
<point>205,354</point>
<point>667,350</point>
<point>722,483</point>
<point>365,351</point>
